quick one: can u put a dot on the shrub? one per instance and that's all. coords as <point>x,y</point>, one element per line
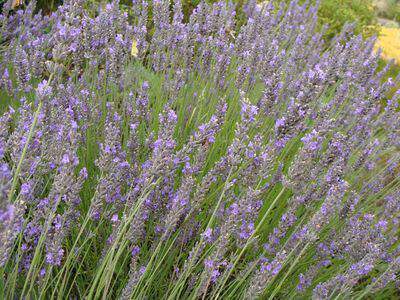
<point>336,13</point>
<point>195,162</point>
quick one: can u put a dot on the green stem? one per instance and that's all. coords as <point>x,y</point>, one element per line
<point>100,272</point>
<point>24,150</point>
<point>249,240</point>
<point>36,255</point>
<point>191,262</point>
<point>277,289</point>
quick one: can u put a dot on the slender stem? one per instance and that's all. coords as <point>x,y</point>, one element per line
<point>38,249</point>
<point>249,240</point>
<point>100,272</point>
<point>23,154</point>
<point>276,290</point>
<point>211,220</point>
<point>369,287</point>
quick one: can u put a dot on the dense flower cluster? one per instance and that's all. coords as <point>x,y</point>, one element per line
<point>209,161</point>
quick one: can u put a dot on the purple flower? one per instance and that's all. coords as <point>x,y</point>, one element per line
<point>135,251</point>
<point>114,218</point>
<point>83,173</point>
<point>208,234</point>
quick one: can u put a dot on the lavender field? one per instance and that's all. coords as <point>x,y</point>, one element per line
<point>148,154</point>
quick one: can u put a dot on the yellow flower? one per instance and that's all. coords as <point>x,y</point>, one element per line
<point>134,49</point>
<point>389,41</point>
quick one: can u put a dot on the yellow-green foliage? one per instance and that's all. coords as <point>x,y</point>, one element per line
<point>336,13</point>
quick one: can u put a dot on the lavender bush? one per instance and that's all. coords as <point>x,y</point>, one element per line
<point>148,158</point>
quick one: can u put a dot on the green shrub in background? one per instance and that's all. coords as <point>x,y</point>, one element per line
<point>336,13</point>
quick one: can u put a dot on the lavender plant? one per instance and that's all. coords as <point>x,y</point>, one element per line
<point>147,158</point>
